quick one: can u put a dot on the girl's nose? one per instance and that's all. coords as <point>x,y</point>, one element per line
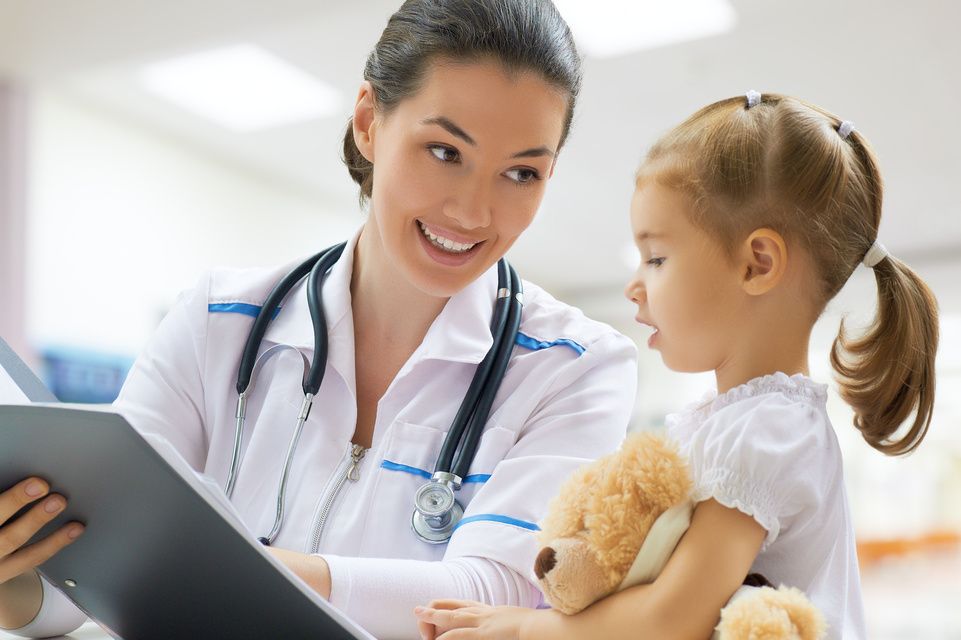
<point>634,291</point>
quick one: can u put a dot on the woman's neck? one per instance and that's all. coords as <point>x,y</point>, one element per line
<point>385,305</point>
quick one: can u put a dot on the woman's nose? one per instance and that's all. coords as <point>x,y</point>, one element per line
<point>470,207</point>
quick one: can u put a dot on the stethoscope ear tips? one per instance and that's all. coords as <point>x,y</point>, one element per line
<point>264,541</point>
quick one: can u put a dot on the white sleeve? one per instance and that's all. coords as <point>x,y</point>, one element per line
<point>163,393</point>
<point>763,461</point>
<point>58,616</point>
<point>398,585</point>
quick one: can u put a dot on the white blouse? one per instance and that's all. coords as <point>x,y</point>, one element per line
<point>767,448</point>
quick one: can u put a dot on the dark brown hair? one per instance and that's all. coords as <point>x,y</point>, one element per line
<point>521,34</point>
<point>783,165</point>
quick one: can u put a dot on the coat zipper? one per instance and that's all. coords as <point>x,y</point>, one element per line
<point>352,474</point>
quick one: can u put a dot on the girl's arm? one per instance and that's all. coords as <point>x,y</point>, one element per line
<point>708,566</point>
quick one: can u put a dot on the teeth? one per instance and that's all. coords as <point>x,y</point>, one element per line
<point>445,243</point>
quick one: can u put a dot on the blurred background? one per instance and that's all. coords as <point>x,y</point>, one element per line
<point>143,142</point>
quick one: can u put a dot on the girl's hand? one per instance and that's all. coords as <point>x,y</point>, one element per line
<point>468,620</point>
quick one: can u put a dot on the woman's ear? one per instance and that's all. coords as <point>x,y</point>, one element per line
<point>765,256</point>
<point>363,122</point>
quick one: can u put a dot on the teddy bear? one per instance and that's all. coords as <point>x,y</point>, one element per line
<point>615,523</point>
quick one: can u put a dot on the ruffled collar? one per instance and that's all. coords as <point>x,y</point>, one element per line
<point>797,386</point>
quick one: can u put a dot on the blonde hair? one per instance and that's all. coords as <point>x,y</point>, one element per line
<point>782,165</point>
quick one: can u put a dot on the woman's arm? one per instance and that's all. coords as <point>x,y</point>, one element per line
<point>398,585</point>
<point>685,601</point>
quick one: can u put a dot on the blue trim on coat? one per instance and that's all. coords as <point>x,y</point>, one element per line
<point>244,308</point>
<point>493,517</point>
<point>394,466</point>
<point>536,345</point>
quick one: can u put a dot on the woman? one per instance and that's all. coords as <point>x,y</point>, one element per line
<point>455,131</point>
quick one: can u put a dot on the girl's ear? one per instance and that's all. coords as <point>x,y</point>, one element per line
<point>765,255</point>
<point>364,122</point>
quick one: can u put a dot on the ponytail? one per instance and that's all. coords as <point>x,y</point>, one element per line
<point>888,374</point>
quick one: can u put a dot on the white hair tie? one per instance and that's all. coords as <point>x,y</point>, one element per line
<point>753,98</point>
<point>875,254</point>
<point>846,129</point>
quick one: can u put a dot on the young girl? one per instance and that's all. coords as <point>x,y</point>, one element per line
<point>750,216</point>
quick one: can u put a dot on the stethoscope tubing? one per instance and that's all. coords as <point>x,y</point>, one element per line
<point>479,382</point>
<point>468,448</point>
<point>471,416</point>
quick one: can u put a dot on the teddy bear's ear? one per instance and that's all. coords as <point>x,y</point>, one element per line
<point>783,613</point>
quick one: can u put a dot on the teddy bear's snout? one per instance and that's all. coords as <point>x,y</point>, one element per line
<point>545,561</point>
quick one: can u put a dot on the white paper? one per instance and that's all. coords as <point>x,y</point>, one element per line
<point>10,392</point>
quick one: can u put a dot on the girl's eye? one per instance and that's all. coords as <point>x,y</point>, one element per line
<point>656,262</point>
<point>522,175</point>
<point>443,153</point>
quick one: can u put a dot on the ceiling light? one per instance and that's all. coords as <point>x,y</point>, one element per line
<point>243,88</point>
<point>608,28</point>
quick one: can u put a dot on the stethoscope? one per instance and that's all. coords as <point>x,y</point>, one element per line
<point>436,510</point>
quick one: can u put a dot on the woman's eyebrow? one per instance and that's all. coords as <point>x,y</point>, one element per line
<point>534,153</point>
<point>451,128</point>
<point>448,125</point>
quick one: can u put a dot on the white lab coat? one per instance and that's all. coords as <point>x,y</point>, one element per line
<point>566,399</point>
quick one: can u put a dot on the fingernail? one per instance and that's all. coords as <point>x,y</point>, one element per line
<point>74,532</point>
<point>34,488</point>
<point>53,505</point>
<point>418,609</point>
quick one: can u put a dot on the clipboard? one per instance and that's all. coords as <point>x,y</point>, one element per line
<point>163,556</point>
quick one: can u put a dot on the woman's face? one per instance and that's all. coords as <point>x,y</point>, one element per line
<point>460,169</point>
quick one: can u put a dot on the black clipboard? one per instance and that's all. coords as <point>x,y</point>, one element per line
<point>161,557</point>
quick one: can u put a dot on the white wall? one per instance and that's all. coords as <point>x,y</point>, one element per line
<point>121,219</point>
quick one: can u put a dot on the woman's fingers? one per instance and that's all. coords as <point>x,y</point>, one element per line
<point>37,553</point>
<point>20,495</point>
<point>15,534</point>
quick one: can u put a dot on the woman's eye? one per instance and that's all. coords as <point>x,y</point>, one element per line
<point>444,154</point>
<point>522,175</point>
<point>656,262</point>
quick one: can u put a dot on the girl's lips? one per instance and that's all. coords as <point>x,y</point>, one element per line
<point>653,336</point>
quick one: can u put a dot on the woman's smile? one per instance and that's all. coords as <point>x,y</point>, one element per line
<point>445,247</point>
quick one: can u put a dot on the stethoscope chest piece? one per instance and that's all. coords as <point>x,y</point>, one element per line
<point>436,511</point>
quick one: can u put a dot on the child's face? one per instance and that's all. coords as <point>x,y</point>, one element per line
<point>685,287</point>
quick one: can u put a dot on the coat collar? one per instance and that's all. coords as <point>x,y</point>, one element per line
<point>460,333</point>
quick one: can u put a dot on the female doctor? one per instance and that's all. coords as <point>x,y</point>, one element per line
<point>455,132</point>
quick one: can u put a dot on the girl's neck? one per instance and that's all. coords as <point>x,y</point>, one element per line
<point>764,351</point>
<point>385,305</point>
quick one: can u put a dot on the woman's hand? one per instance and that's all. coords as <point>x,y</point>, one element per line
<point>465,619</point>
<point>311,569</point>
<point>16,559</point>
